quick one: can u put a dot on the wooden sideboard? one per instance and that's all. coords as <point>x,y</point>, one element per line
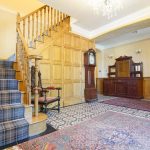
<point>123,87</point>
<point>125,79</point>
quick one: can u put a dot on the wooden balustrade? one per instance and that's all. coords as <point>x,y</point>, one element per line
<point>40,22</point>
<point>29,28</point>
<point>24,65</point>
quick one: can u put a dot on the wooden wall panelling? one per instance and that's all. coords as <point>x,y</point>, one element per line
<point>82,58</point>
<point>82,91</point>
<point>57,54</point>
<point>91,44</point>
<point>67,74</point>
<point>57,74</point>
<point>47,43</point>
<point>82,74</point>
<point>63,57</point>
<point>68,90</point>
<point>45,71</point>
<point>77,90</point>
<point>76,57</point>
<point>84,44</point>
<point>67,39</point>
<point>67,56</point>
<point>58,40</point>
<point>146,87</point>
<point>76,42</point>
<point>99,85</point>
<point>46,53</point>
<point>76,74</point>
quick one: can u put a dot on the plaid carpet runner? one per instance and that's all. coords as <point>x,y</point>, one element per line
<point>10,97</point>
<point>13,126</point>
<point>7,73</point>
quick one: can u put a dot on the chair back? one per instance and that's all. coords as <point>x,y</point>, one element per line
<point>33,81</point>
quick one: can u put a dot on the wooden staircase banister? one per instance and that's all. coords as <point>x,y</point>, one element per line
<point>39,22</point>
<point>23,41</point>
<point>30,14</point>
<point>30,29</point>
<point>25,68</point>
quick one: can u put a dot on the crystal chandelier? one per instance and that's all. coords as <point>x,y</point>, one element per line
<point>109,8</point>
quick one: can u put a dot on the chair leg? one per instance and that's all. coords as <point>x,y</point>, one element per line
<point>45,108</point>
<point>41,108</point>
<point>58,105</point>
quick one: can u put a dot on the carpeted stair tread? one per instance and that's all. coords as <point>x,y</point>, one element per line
<point>7,79</point>
<point>10,97</point>
<point>12,131</point>
<point>13,125</point>
<point>8,84</point>
<point>6,64</point>
<point>9,91</point>
<point>11,112</point>
<point>11,106</point>
<point>7,73</point>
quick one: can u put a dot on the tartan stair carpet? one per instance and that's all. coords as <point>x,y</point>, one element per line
<point>13,125</point>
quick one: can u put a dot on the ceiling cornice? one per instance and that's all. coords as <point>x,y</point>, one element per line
<point>143,14</point>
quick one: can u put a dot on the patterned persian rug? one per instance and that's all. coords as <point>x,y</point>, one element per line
<point>129,103</point>
<point>109,131</point>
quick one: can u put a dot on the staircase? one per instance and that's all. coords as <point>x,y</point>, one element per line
<point>13,125</point>
<point>33,30</point>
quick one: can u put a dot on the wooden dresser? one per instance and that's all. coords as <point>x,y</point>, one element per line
<point>125,79</point>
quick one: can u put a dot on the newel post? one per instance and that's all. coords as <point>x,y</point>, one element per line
<point>18,20</point>
<point>29,80</point>
<point>36,95</point>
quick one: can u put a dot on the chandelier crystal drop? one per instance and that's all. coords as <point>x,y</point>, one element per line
<point>109,8</point>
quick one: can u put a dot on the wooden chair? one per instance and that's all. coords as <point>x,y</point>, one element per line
<point>44,100</point>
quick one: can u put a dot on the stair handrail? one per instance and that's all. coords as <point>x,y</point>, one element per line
<point>23,59</point>
<point>39,22</point>
<point>22,66</point>
<point>35,11</point>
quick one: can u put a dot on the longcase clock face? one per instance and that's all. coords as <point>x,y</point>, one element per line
<point>91,59</point>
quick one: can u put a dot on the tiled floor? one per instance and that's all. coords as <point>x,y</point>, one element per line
<point>77,113</point>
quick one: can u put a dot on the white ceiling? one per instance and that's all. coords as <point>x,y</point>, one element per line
<point>105,31</point>
<point>84,22</point>
<point>126,38</point>
<point>90,25</point>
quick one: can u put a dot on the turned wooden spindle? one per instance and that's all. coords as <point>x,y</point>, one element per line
<point>24,31</point>
<point>55,19</point>
<point>61,16</point>
<point>28,27</point>
<point>44,19</point>
<point>48,17</point>
<point>51,18</point>
<point>18,21</point>
<point>32,27</point>
<point>29,81</point>
<point>41,22</point>
<point>37,15</point>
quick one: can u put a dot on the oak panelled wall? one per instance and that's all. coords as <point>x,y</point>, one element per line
<point>62,64</point>
<point>146,87</point>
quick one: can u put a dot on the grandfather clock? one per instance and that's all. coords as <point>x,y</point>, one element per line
<point>90,93</point>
